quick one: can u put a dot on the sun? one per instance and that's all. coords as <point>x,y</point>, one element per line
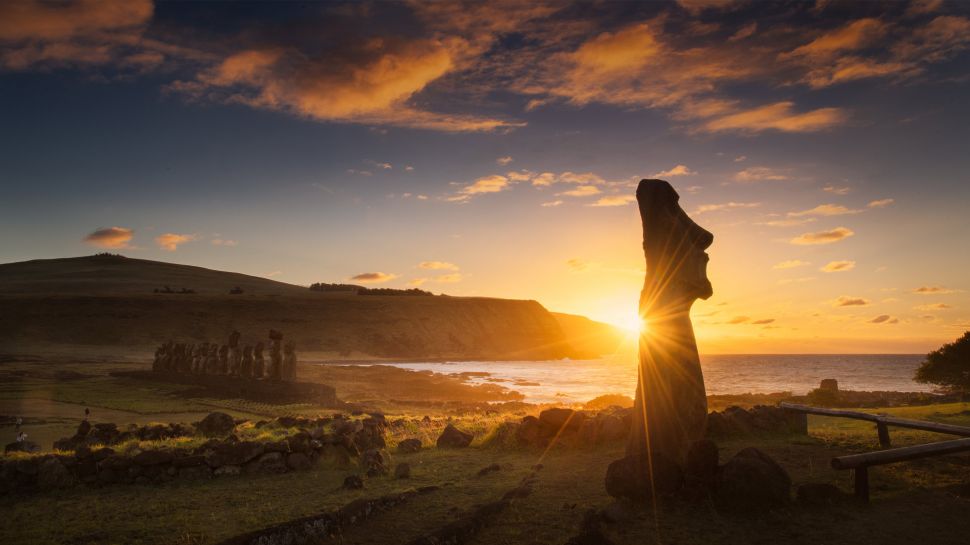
<point>633,324</point>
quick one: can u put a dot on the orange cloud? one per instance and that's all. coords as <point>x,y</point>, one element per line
<point>846,301</point>
<point>171,241</point>
<point>779,116</point>
<point>110,237</point>
<point>438,266</point>
<point>932,290</point>
<point>881,203</point>
<point>679,170</point>
<point>485,184</point>
<point>855,35</point>
<point>790,264</point>
<point>581,191</point>
<point>838,266</point>
<point>825,210</point>
<point>823,237</point>
<point>614,200</point>
<point>373,277</point>
<point>759,174</point>
<point>704,208</point>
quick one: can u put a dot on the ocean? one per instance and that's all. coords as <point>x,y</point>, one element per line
<point>578,381</point>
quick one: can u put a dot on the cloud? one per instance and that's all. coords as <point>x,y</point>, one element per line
<point>504,160</point>
<point>110,237</point>
<point>825,210</point>
<point>855,35</point>
<point>550,204</point>
<point>704,208</point>
<point>823,237</point>
<point>438,266</point>
<point>933,306</point>
<point>884,319</point>
<point>838,266</point>
<point>84,33</point>
<point>790,264</point>
<point>846,301</point>
<point>614,200</point>
<point>486,184</point>
<point>449,278</point>
<point>763,322</point>
<point>740,158</point>
<point>679,170</point>
<point>759,174</point>
<point>780,116</point>
<point>837,190</point>
<point>578,265</point>
<point>786,223</point>
<point>373,277</point>
<point>271,274</point>
<point>932,290</point>
<point>881,203</point>
<point>171,241</point>
<point>223,242</point>
<point>581,191</point>
<point>785,281</point>
<point>369,82</point>
<point>744,32</point>
<point>738,320</point>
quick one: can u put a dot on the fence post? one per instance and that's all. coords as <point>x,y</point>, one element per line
<point>883,430</point>
<point>862,483</point>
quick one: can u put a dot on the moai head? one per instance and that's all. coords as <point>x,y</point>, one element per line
<point>673,244</point>
<point>258,350</point>
<point>247,351</point>
<point>289,348</point>
<point>275,335</point>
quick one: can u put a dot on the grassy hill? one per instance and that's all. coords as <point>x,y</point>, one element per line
<point>108,305</point>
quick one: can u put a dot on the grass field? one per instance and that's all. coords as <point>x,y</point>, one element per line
<point>53,396</point>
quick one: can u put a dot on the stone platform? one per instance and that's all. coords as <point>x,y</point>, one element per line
<point>265,391</point>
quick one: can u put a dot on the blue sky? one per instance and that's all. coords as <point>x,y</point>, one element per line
<point>493,149</point>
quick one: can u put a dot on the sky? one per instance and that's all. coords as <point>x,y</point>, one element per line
<point>493,149</point>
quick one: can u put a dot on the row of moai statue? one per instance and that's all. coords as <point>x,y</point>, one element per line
<point>229,359</point>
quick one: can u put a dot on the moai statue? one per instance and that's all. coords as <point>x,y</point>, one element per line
<point>223,360</point>
<point>275,371</point>
<point>168,348</point>
<point>246,365</point>
<point>212,360</point>
<point>235,355</point>
<point>289,362</point>
<point>670,410</point>
<point>159,354</point>
<point>196,360</point>
<point>183,358</point>
<point>259,366</point>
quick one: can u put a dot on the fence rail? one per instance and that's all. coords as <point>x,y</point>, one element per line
<point>860,463</point>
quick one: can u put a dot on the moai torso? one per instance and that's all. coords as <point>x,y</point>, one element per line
<point>259,366</point>
<point>289,362</point>
<point>246,364</point>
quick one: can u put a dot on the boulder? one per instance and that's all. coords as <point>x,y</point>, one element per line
<point>353,482</point>
<point>83,429</point>
<point>299,442</point>
<point>528,433</point>
<point>375,462</point>
<point>409,446</point>
<point>195,473</point>
<point>702,462</point>
<point>298,461</point>
<point>228,471</point>
<point>752,483</point>
<point>21,446</point>
<point>51,473</point>
<point>611,427</point>
<point>402,471</point>
<point>189,461</point>
<point>270,462</point>
<point>336,455</point>
<point>630,478</point>
<point>452,437</point>
<point>556,419</point>
<point>153,457</point>
<point>216,424</point>
<point>233,454</point>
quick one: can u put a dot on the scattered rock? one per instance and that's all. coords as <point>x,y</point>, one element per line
<point>298,461</point>
<point>51,473</point>
<point>486,470</point>
<point>216,424</point>
<point>21,446</point>
<point>153,457</point>
<point>232,454</point>
<point>195,473</point>
<point>619,511</point>
<point>375,462</point>
<point>751,483</point>
<point>630,477</point>
<point>590,532</point>
<point>558,419</point>
<point>227,470</point>
<point>402,471</point>
<point>452,437</point>
<point>270,462</point>
<point>353,482</point>
<point>409,446</point>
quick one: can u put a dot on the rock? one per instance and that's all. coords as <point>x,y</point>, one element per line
<point>336,455</point>
<point>556,420</point>
<point>402,471</point>
<point>452,437</point>
<point>528,432</point>
<point>353,482</point>
<point>83,429</point>
<point>375,462</point>
<point>227,471</point>
<point>233,454</point>
<point>612,427</point>
<point>819,495</point>
<point>409,446</point>
<point>102,454</point>
<point>216,424</point>
<point>619,511</point>
<point>751,483</point>
<point>277,446</point>
<point>590,532</point>
<point>270,462</point>
<point>153,457</point>
<point>298,461</point>
<point>21,446</point>
<point>630,478</point>
<point>51,473</point>
<point>195,473</point>
<point>370,435</point>
<point>189,461</point>
<point>702,462</point>
<point>489,469</point>
<point>829,384</point>
<point>299,442</point>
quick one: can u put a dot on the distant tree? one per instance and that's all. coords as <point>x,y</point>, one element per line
<point>948,366</point>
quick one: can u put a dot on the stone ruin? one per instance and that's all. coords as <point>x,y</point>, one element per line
<point>230,359</point>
